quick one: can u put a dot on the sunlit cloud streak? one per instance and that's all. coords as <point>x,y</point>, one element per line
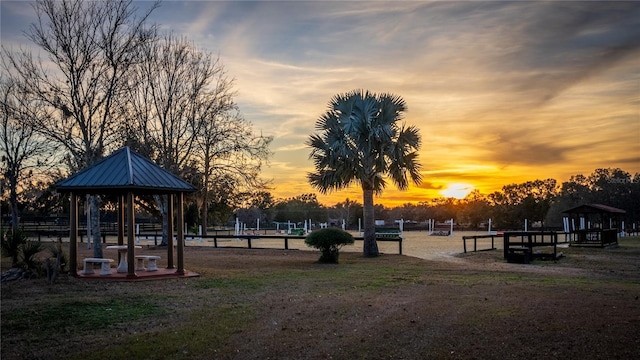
<point>502,92</point>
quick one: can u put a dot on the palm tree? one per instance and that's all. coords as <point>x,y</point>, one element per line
<point>360,141</point>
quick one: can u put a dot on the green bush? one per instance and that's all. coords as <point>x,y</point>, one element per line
<point>329,241</point>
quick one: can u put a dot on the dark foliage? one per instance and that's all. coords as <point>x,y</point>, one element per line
<point>329,241</point>
<point>12,244</point>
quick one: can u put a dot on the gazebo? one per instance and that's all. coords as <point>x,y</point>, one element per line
<point>598,224</point>
<point>124,174</point>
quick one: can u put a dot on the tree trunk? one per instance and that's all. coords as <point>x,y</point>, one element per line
<point>13,200</point>
<point>370,245</point>
<point>204,213</point>
<point>163,205</point>
<point>94,203</point>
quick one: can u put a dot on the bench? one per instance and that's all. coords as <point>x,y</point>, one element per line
<point>105,266</point>
<point>151,262</point>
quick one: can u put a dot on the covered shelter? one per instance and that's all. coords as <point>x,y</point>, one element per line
<point>597,224</point>
<point>125,174</point>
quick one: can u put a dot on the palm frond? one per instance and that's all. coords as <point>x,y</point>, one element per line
<point>361,140</point>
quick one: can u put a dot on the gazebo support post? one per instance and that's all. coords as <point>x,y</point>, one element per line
<point>121,219</point>
<point>180,234</point>
<point>170,230</point>
<point>131,224</point>
<point>73,235</point>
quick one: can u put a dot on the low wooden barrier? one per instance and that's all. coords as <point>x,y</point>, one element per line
<point>156,237</point>
<point>519,245</point>
<point>475,242</point>
<point>286,239</point>
<point>391,239</point>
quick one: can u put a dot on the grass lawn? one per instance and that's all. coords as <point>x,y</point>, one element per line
<point>277,304</point>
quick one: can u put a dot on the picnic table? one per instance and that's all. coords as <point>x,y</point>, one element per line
<point>122,250</point>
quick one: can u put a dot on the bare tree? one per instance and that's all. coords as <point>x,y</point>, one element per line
<point>173,82</point>
<point>185,117</point>
<point>228,154</point>
<point>23,150</point>
<point>171,77</point>
<point>91,48</point>
<point>228,149</point>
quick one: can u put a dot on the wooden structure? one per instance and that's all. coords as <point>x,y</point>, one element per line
<point>519,246</point>
<point>475,242</point>
<point>598,225</point>
<point>124,174</point>
<point>286,238</point>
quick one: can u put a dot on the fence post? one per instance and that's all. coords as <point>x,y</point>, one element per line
<point>506,244</point>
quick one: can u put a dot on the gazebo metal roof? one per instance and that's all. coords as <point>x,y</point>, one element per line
<point>122,171</point>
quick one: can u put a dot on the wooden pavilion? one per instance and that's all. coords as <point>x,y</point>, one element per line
<point>598,224</point>
<point>124,174</point>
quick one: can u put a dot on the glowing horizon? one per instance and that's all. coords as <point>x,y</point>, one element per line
<point>502,92</point>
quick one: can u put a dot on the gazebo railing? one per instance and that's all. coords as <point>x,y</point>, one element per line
<point>595,237</point>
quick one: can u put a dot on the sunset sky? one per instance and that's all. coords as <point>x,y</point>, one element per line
<point>502,92</point>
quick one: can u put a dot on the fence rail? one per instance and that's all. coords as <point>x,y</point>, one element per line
<point>475,242</point>
<point>286,239</point>
<point>156,237</point>
<point>596,237</point>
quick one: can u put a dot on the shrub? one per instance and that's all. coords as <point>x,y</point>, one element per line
<point>59,255</point>
<point>30,250</point>
<point>56,263</point>
<point>329,241</point>
<point>12,243</point>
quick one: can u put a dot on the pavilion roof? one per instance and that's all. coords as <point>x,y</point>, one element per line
<point>122,171</point>
<point>594,209</point>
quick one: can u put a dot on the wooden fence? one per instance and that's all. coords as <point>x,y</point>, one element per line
<point>475,242</point>
<point>155,237</point>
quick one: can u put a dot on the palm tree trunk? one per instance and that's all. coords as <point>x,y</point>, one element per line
<point>370,245</point>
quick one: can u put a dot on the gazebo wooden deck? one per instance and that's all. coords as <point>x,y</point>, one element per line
<point>124,174</point>
<point>162,273</point>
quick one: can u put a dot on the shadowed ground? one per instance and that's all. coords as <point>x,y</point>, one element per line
<point>260,304</point>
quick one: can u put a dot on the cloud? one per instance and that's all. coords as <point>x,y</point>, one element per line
<point>558,45</point>
<point>15,18</point>
<point>428,185</point>
<point>293,147</point>
<point>501,91</point>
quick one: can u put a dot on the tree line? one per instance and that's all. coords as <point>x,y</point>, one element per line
<point>538,201</point>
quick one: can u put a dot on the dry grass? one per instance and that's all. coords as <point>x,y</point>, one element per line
<point>261,304</point>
